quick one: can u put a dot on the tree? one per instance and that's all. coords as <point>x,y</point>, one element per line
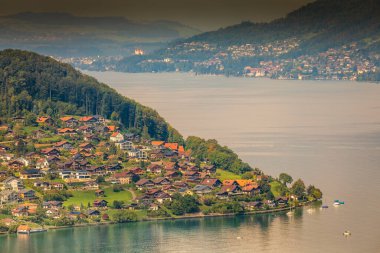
<point>298,188</point>
<point>285,178</point>
<point>314,192</point>
<point>118,204</point>
<point>123,216</point>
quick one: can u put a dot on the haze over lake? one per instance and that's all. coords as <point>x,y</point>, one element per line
<point>327,133</point>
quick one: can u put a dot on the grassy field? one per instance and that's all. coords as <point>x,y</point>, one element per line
<point>86,197</point>
<point>223,175</point>
<point>274,186</point>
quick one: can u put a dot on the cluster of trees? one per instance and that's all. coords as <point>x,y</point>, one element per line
<point>123,216</point>
<point>31,83</point>
<point>298,188</point>
<point>221,157</point>
<point>182,204</point>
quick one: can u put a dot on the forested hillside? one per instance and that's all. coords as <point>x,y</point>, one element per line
<point>34,84</point>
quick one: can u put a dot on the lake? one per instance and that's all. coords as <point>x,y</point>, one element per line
<point>325,132</point>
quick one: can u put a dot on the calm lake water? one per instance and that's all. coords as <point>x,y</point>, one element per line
<point>327,133</point>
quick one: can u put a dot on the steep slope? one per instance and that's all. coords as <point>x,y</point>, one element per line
<point>33,83</point>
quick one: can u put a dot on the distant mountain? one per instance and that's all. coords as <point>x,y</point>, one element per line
<point>63,34</point>
<point>295,46</point>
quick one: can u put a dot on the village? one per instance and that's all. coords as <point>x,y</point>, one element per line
<point>86,170</point>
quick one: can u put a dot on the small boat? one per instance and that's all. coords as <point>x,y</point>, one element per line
<point>336,204</point>
<point>324,207</point>
<point>310,210</point>
<point>347,233</point>
<point>341,202</point>
<point>290,213</point>
<point>239,238</point>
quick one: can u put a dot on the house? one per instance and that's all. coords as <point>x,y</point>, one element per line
<point>86,146</point>
<point>229,182</point>
<point>52,204</point>
<point>228,190</point>
<point>97,170</point>
<point>117,137</point>
<point>7,197</point>
<point>67,131</point>
<point>163,196</point>
<point>144,183</point>
<point>99,193</point>
<point>42,163</point>
<point>80,174</point>
<point>156,154</point>
<point>158,144</point>
<point>23,229</point>
<point>26,194</point>
<point>251,206</point>
<point>63,145</point>
<point>210,169</point>
<point>212,182</point>
<point>12,183</point>
<point>91,185</point>
<point>93,213</point>
<point>69,121</point>
<point>100,203</point>
<point>30,174</point>
<point>41,184</point>
<point>281,201</point>
<point>172,146</point>
<point>8,221</point>
<point>124,145</point>
<point>154,168</point>
<point>15,165</point>
<point>112,128</point>
<point>57,186</point>
<point>244,182</point>
<point>89,120</point>
<point>86,129</point>
<point>124,177</point>
<point>251,189</point>
<point>172,174</point>
<point>161,181</point>
<point>202,189</point>
<point>45,120</point>
<point>137,171</point>
<point>50,152</point>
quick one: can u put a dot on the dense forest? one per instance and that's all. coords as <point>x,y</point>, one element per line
<point>34,84</point>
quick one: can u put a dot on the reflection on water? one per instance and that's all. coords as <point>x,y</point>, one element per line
<point>199,235</point>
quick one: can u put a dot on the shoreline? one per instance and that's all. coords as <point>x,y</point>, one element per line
<point>182,217</point>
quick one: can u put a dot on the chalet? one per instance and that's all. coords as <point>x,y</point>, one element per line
<point>4,148</point>
<point>163,196</point>
<point>52,204</point>
<point>244,182</point>
<point>170,166</point>
<point>86,146</point>
<point>113,167</point>
<point>91,185</point>
<point>69,121</point>
<point>50,152</point>
<point>26,194</point>
<point>170,154</point>
<point>124,145</point>
<point>180,184</point>
<point>144,183</point>
<point>210,169</point>
<point>66,131</point>
<point>229,182</point>
<point>57,186</point>
<point>228,190</point>
<point>76,214</point>
<point>15,165</point>
<point>202,189</point>
<point>161,181</point>
<point>39,134</point>
<point>81,174</point>
<point>97,170</point>
<point>99,193</point>
<point>12,183</point>
<point>251,189</point>
<point>170,189</point>
<point>154,168</point>
<point>281,201</point>
<point>23,229</point>
<point>192,176</point>
<point>18,119</point>
<point>212,182</point>
<point>156,154</point>
<point>91,137</point>
<point>112,128</point>
<point>171,146</point>
<point>124,177</point>
<point>100,203</point>
<point>41,184</point>
<point>85,129</point>
<point>63,145</point>
<point>53,212</point>
<point>6,156</point>
<point>172,174</point>
<point>116,137</point>
<point>132,153</point>
<point>8,221</point>
<point>251,206</point>
<point>30,174</point>
<point>158,144</point>
<point>8,197</point>
<point>89,120</point>
<point>137,171</point>
<point>45,120</point>
<point>93,213</point>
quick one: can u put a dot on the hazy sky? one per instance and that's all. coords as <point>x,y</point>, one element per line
<point>203,14</point>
